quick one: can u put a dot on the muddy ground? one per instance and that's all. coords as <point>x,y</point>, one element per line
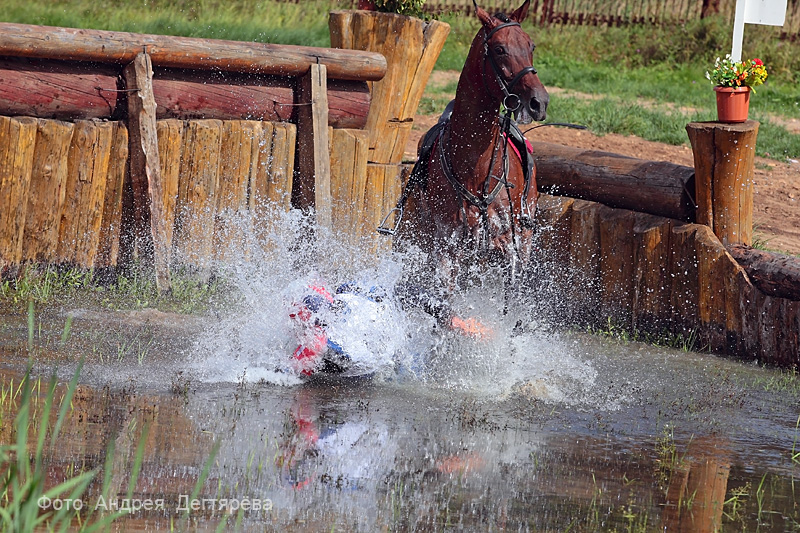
<point>776,209</point>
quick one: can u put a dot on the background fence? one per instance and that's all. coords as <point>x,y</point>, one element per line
<point>612,12</point>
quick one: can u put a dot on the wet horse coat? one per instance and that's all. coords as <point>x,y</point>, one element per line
<point>470,189</point>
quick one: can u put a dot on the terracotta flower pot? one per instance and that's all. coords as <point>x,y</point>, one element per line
<point>733,103</point>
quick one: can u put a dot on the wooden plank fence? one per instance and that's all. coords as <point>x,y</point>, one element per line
<point>605,12</point>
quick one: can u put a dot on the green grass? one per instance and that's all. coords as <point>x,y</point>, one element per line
<point>24,490</point>
<point>304,23</point>
<point>133,290</point>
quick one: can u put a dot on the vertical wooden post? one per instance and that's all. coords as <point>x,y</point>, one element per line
<point>108,251</point>
<point>312,174</point>
<point>150,230</point>
<point>17,143</point>
<point>47,190</point>
<point>348,182</point>
<point>85,193</point>
<point>723,161</point>
<point>193,238</point>
<point>411,47</point>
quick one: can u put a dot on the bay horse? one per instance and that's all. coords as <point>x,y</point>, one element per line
<point>473,191</point>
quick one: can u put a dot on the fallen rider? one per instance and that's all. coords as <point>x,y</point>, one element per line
<point>353,330</point>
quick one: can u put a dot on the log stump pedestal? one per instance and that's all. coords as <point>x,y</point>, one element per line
<point>723,160</point>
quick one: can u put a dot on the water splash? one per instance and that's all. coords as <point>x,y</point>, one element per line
<point>407,345</point>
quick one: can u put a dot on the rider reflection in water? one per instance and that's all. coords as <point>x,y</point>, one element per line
<point>336,330</point>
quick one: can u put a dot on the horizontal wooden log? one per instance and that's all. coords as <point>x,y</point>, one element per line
<point>49,42</point>
<point>57,89</point>
<point>69,90</point>
<point>773,273</point>
<point>654,187</point>
<point>233,96</point>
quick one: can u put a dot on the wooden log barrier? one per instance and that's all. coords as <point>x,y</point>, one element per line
<point>616,267</point>
<point>111,225</point>
<point>85,192</point>
<point>17,145</point>
<point>149,228</point>
<point>77,90</point>
<point>57,89</point>
<point>651,238</point>
<point>349,152</point>
<point>231,96</point>
<point>383,185</point>
<point>47,190</point>
<point>271,185</point>
<point>724,159</point>
<point>195,207</point>
<point>773,273</point>
<point>237,170</point>
<point>70,44</point>
<point>170,150</point>
<point>312,181</point>
<point>676,277</point>
<point>411,47</point>
<point>584,256</point>
<point>654,187</point>
<point>683,287</point>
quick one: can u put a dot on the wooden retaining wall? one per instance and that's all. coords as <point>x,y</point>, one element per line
<point>659,275</point>
<point>143,146</point>
<point>62,193</point>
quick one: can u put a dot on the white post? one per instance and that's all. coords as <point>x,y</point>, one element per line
<point>738,31</point>
<point>767,12</point>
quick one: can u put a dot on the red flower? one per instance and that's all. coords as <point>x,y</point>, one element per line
<point>758,62</point>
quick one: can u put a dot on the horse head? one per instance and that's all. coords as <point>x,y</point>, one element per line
<point>508,72</point>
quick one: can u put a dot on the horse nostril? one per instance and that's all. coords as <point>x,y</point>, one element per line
<point>538,108</point>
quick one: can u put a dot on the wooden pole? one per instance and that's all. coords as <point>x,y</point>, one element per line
<point>312,180</point>
<point>68,90</point>
<point>724,159</point>
<point>47,190</point>
<point>17,143</point>
<point>411,47</point>
<point>773,273</point>
<point>145,169</point>
<point>655,187</point>
<point>25,40</point>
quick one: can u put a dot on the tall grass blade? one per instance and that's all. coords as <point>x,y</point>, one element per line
<point>67,401</point>
<point>204,474</point>
<point>30,325</point>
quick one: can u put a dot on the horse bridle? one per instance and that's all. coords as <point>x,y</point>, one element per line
<point>506,87</point>
<point>482,202</point>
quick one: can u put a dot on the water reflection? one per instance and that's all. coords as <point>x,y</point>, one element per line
<point>367,456</point>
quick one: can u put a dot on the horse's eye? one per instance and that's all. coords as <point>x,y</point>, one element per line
<point>533,47</point>
<point>499,50</point>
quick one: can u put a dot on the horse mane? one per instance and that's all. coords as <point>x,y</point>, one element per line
<point>502,16</point>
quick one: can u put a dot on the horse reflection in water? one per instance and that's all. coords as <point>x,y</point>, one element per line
<point>473,190</point>
<point>321,447</point>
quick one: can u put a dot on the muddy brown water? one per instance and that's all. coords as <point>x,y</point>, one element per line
<point>634,438</point>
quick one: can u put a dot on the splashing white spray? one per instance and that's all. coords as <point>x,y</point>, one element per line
<point>275,260</point>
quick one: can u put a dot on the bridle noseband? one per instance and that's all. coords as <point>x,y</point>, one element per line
<point>508,96</point>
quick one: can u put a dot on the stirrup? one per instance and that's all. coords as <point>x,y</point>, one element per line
<point>383,230</point>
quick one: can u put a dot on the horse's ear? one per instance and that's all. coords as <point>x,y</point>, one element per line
<point>522,12</point>
<point>484,16</point>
